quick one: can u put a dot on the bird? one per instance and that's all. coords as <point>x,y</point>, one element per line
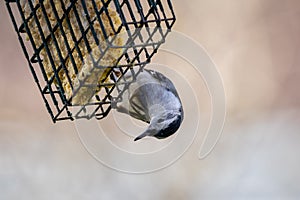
<point>152,98</point>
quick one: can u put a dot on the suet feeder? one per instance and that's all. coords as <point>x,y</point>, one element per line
<point>79,51</point>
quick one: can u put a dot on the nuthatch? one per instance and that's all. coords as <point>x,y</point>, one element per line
<point>153,98</point>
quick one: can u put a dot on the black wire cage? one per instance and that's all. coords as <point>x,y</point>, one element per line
<point>115,37</point>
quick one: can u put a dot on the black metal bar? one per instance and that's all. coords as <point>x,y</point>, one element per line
<point>57,49</point>
<point>40,62</point>
<point>48,52</point>
<point>27,57</point>
<point>137,51</point>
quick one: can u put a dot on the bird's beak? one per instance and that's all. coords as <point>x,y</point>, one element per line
<point>141,136</point>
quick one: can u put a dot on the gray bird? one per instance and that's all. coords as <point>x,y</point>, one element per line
<point>153,98</point>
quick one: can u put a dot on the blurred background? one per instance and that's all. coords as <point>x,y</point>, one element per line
<point>255,45</point>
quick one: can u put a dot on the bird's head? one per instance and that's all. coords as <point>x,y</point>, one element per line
<point>163,126</point>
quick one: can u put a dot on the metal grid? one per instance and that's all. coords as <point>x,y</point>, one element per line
<point>146,24</point>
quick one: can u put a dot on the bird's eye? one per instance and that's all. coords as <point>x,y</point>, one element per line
<point>160,120</point>
<point>169,116</point>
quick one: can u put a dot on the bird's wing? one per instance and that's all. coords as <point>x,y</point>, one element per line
<point>131,104</point>
<point>137,109</point>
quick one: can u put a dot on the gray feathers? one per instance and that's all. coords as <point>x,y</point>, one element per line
<point>153,99</point>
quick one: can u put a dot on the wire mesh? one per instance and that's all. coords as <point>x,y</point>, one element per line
<point>60,38</point>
